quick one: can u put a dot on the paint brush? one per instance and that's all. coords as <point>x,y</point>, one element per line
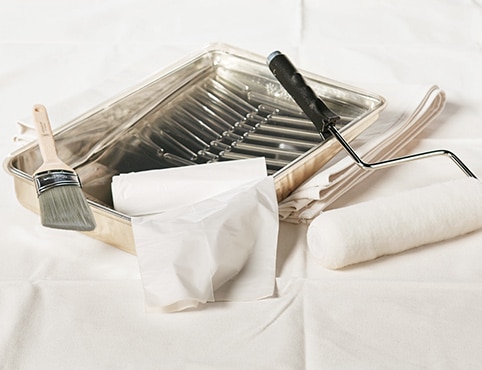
<point>62,202</point>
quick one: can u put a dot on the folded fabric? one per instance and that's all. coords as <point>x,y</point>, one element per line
<point>216,243</point>
<point>389,225</point>
<point>410,109</point>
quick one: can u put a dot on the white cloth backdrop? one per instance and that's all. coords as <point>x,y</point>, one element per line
<point>71,302</point>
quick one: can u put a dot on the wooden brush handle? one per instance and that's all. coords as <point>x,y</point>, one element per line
<point>46,141</point>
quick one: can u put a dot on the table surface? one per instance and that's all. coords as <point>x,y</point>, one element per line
<point>71,302</point>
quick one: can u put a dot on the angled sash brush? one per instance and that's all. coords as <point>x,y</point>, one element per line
<point>62,202</point>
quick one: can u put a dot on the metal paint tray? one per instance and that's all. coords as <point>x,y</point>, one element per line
<point>219,104</point>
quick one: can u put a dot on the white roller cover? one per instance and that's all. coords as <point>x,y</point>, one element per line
<point>390,225</point>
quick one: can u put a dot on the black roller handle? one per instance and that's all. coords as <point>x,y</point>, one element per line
<point>294,83</point>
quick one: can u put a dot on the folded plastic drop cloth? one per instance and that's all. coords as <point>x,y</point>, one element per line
<point>146,192</point>
<point>219,247</point>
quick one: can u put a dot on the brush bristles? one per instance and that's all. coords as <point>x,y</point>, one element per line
<point>65,207</point>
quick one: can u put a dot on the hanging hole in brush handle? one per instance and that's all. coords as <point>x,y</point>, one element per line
<point>294,83</point>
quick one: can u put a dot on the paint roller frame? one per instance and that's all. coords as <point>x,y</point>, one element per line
<point>354,234</point>
<point>324,119</point>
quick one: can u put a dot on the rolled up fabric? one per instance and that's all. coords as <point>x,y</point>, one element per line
<point>389,225</point>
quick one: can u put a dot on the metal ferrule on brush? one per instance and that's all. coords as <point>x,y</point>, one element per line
<point>49,179</point>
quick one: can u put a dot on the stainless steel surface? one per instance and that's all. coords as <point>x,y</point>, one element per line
<point>220,104</point>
